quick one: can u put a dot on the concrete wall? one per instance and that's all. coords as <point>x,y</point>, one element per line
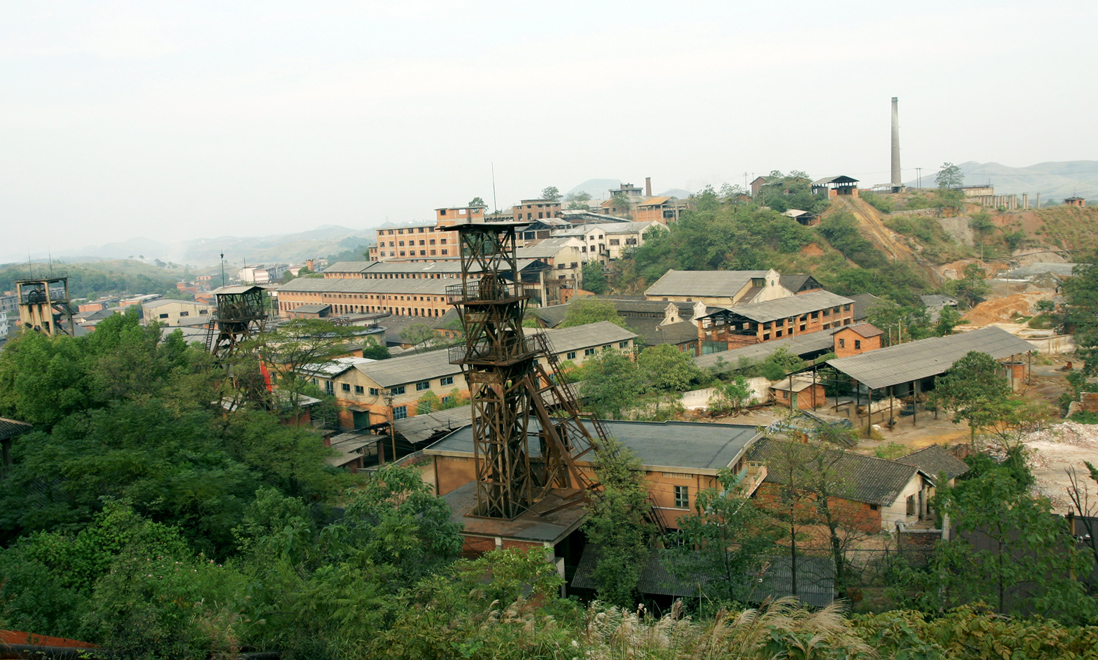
<point>898,511</point>
<point>698,399</point>
<point>1055,345</point>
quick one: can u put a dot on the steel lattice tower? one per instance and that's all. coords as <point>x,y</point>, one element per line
<point>241,314</point>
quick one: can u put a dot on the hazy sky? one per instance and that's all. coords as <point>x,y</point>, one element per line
<point>190,119</point>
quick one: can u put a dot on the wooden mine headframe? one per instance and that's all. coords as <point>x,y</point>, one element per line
<point>241,314</point>
<point>507,384</point>
<point>44,305</point>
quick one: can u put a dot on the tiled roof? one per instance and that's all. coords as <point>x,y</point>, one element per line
<point>9,428</point>
<point>789,306</point>
<point>927,357</point>
<point>866,330</point>
<point>700,448</point>
<point>935,460</point>
<point>864,478</point>
<point>799,345</point>
<point>703,283</point>
<point>863,302</point>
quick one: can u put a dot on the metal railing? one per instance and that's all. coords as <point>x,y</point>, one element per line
<point>485,351</point>
<point>485,289</point>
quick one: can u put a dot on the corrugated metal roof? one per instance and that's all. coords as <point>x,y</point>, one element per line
<point>927,357</point>
<point>705,448</point>
<point>935,460</point>
<point>863,302</point>
<point>421,428</point>
<point>800,345</point>
<point>783,308</point>
<point>311,308</point>
<point>863,478</point>
<point>415,286</point>
<point>655,201</point>
<point>235,290</point>
<point>703,283</point>
<point>436,364</point>
<point>350,266</point>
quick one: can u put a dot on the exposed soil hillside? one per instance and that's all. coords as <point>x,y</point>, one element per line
<point>874,229</point>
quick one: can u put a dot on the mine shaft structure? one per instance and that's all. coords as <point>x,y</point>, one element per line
<point>241,314</point>
<point>510,388</point>
<point>44,305</point>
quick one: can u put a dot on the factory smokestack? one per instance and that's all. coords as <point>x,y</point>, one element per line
<point>897,184</point>
<point>648,186</point>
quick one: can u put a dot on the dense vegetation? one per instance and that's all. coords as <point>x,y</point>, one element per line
<point>732,234</point>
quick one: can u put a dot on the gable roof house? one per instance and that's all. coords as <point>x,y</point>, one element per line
<point>876,494</point>
<point>756,322</point>
<point>717,287</point>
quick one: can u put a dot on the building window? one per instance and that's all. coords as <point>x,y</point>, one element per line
<point>398,390</point>
<point>346,387</point>
<point>400,412</point>
<point>184,313</point>
<point>857,344</point>
<point>328,389</point>
<point>623,344</point>
<point>374,391</point>
<point>588,351</point>
<point>358,389</point>
<point>424,385</point>
<point>163,316</point>
<point>682,497</point>
<point>842,343</point>
<point>910,505</point>
<point>446,380</point>
<point>571,355</point>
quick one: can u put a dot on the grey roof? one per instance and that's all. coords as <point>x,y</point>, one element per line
<point>586,336</point>
<point>350,266</point>
<point>413,286</point>
<point>235,289</point>
<point>815,578</point>
<point>550,315</point>
<point>168,301</point>
<point>9,428</point>
<point>311,308</point>
<point>700,448</point>
<point>938,300</point>
<point>800,345</point>
<point>546,248</point>
<point>436,364</point>
<point>449,320</point>
<point>652,333</point>
<point>421,428</point>
<point>935,460</point>
<point>863,302</point>
<point>410,368</point>
<point>841,178</point>
<point>797,281</point>
<point>703,283</point>
<point>866,330</point>
<point>789,306</point>
<point>863,478</point>
<point>630,306</point>
<point>611,228</point>
<point>927,357</point>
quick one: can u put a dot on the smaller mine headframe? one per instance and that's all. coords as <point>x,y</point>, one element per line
<point>512,377</point>
<point>44,305</point>
<point>241,314</point>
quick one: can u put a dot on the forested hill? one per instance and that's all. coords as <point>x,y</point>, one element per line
<point>89,280</point>
<point>894,245</point>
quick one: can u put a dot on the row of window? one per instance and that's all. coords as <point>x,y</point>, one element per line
<point>441,241</point>
<point>201,312</point>
<point>411,230</point>
<point>395,391</point>
<point>422,253</point>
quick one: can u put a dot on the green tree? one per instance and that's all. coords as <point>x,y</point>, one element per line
<point>780,364</point>
<point>667,369</point>
<point>1027,563</point>
<point>974,389</point>
<point>618,522</point>
<point>551,193</point>
<point>295,353</point>
<point>418,335</point>
<point>948,319</point>
<point>1080,312</point>
<point>593,277</point>
<point>578,201</point>
<point>726,542</point>
<point>375,351</point>
<point>477,201</point>
<point>612,384</point>
<point>949,176</point>
<point>972,287</point>
<point>585,309</point>
<point>734,395</point>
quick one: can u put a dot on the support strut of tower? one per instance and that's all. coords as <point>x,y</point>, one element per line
<point>508,386</point>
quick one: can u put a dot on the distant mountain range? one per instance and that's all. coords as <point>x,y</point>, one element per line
<point>1054,181</point>
<point>276,248</point>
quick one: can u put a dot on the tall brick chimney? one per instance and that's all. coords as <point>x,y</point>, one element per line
<point>647,186</point>
<point>897,184</point>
